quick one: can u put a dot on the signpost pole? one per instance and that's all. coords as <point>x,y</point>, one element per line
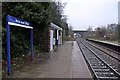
<point>8,47</point>
<point>10,20</point>
<point>31,41</point>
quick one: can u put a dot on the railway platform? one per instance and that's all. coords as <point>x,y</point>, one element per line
<point>0,70</point>
<point>66,62</point>
<point>79,66</point>
<point>107,42</point>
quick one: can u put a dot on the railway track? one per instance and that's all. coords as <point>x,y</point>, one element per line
<point>108,51</point>
<point>102,65</point>
<point>110,57</point>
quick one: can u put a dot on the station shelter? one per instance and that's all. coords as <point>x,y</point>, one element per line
<point>55,36</point>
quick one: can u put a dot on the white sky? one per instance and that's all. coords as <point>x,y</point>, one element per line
<point>84,13</point>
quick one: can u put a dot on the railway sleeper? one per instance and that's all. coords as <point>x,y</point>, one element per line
<point>95,64</point>
<point>99,67</point>
<point>108,78</point>
<point>101,70</point>
<point>105,74</point>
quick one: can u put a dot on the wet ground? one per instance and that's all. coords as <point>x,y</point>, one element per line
<point>65,62</point>
<point>0,70</point>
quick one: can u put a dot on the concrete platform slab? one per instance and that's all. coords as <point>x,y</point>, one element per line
<point>79,66</point>
<point>65,62</point>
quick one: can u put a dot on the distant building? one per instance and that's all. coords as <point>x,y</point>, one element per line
<point>119,12</point>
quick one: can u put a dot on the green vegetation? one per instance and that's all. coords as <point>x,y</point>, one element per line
<point>36,13</point>
<point>109,33</point>
<point>118,33</point>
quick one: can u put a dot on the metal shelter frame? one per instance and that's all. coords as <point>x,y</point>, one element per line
<point>10,20</point>
<point>57,28</point>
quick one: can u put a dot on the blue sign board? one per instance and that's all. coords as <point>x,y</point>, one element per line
<point>18,22</point>
<point>10,20</point>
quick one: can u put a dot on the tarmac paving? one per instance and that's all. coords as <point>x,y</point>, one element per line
<point>0,70</point>
<point>79,66</point>
<point>65,62</point>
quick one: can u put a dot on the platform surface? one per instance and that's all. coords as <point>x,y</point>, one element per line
<point>79,66</point>
<point>65,62</point>
<point>108,42</point>
<point>0,70</point>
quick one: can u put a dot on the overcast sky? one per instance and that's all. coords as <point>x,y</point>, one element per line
<point>84,13</point>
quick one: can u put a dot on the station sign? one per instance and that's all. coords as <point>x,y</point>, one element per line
<point>18,22</point>
<point>11,20</point>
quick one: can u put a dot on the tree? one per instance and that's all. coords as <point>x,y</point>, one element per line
<point>90,31</point>
<point>112,31</point>
<point>40,14</point>
<point>90,28</point>
<point>57,16</point>
<point>36,13</point>
<point>100,31</point>
<point>70,31</point>
<point>119,33</point>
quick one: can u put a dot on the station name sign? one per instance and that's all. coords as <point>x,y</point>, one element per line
<point>21,22</point>
<point>11,20</point>
<point>18,22</point>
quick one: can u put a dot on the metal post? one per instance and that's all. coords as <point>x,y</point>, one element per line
<point>8,47</point>
<point>57,38</point>
<point>31,42</point>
